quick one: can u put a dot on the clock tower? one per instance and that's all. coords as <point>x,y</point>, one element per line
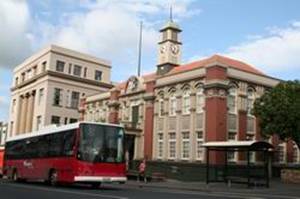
<point>169,48</point>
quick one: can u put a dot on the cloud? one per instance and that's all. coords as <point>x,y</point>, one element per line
<point>276,52</point>
<point>110,29</point>
<point>14,21</point>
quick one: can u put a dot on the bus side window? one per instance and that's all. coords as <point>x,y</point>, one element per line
<point>55,144</point>
<point>68,142</point>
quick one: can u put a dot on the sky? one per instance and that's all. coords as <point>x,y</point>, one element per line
<point>263,33</point>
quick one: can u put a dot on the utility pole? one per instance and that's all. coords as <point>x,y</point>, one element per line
<point>140,49</point>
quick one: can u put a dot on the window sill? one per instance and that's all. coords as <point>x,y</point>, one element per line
<point>56,105</point>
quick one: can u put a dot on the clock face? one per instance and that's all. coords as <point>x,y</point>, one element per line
<point>174,49</point>
<point>162,49</point>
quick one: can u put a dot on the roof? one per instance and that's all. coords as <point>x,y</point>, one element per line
<point>172,25</point>
<point>238,144</point>
<point>233,63</point>
<point>55,129</point>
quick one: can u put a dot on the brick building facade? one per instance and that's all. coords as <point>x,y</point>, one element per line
<point>170,113</point>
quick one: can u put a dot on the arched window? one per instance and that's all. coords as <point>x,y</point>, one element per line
<point>250,100</point>
<point>161,106</point>
<point>200,100</point>
<point>231,99</point>
<point>186,102</point>
<point>172,104</point>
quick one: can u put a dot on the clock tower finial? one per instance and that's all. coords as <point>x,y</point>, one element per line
<point>171,14</point>
<point>169,51</point>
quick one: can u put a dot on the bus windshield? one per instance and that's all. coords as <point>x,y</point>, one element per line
<point>101,143</point>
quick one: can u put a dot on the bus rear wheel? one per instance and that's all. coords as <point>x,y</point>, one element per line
<point>95,185</point>
<point>53,178</point>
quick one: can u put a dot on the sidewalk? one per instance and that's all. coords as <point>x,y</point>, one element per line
<point>276,187</point>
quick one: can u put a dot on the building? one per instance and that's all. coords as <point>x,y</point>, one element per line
<point>3,134</point>
<point>170,113</point>
<point>48,85</point>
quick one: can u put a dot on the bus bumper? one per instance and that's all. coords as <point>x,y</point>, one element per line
<point>99,179</point>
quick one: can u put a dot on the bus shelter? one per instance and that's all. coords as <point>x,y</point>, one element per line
<point>252,172</point>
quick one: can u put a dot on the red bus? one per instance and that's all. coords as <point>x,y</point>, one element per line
<point>1,160</point>
<point>84,152</point>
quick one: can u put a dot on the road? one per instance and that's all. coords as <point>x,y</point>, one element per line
<point>10,190</point>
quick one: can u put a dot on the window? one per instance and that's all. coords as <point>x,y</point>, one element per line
<point>34,70</point>
<point>281,153</point>
<point>23,77</point>
<point>16,81</point>
<point>38,122</point>
<point>164,36</point>
<point>70,69</point>
<point>11,128</point>
<point>186,102</point>
<point>66,120</point>
<point>161,107</point>
<point>77,70</point>
<point>232,156</point>
<point>185,145</point>
<point>52,145</point>
<point>98,75</point>
<point>75,99</point>
<point>231,100</point>
<point>199,148</point>
<point>135,114</point>
<point>57,96</point>
<point>160,148</point>
<point>232,136</point>
<point>250,100</point>
<point>172,145</point>
<point>55,120</point>
<point>173,105</point>
<point>200,100</point>
<point>73,120</point>
<point>60,65</point>
<point>44,64</point>
<point>29,74</point>
<point>85,72</point>
<point>41,96</point>
<point>295,154</point>
<point>174,36</point>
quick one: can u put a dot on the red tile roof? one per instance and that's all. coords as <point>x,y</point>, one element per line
<point>233,63</point>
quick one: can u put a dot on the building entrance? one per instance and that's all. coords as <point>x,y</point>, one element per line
<point>129,149</point>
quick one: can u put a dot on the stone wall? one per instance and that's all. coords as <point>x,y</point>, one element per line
<point>290,176</point>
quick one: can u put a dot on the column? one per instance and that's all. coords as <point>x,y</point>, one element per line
<point>149,120</point>
<point>18,116</point>
<point>216,108</point>
<point>23,114</point>
<point>30,108</point>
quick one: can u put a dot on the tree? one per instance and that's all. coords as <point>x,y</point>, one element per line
<point>279,111</point>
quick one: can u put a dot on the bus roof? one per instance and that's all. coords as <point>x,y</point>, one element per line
<point>54,129</point>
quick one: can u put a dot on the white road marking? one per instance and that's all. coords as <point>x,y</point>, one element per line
<point>67,191</point>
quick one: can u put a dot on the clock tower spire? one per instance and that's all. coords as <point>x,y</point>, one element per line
<point>169,47</point>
